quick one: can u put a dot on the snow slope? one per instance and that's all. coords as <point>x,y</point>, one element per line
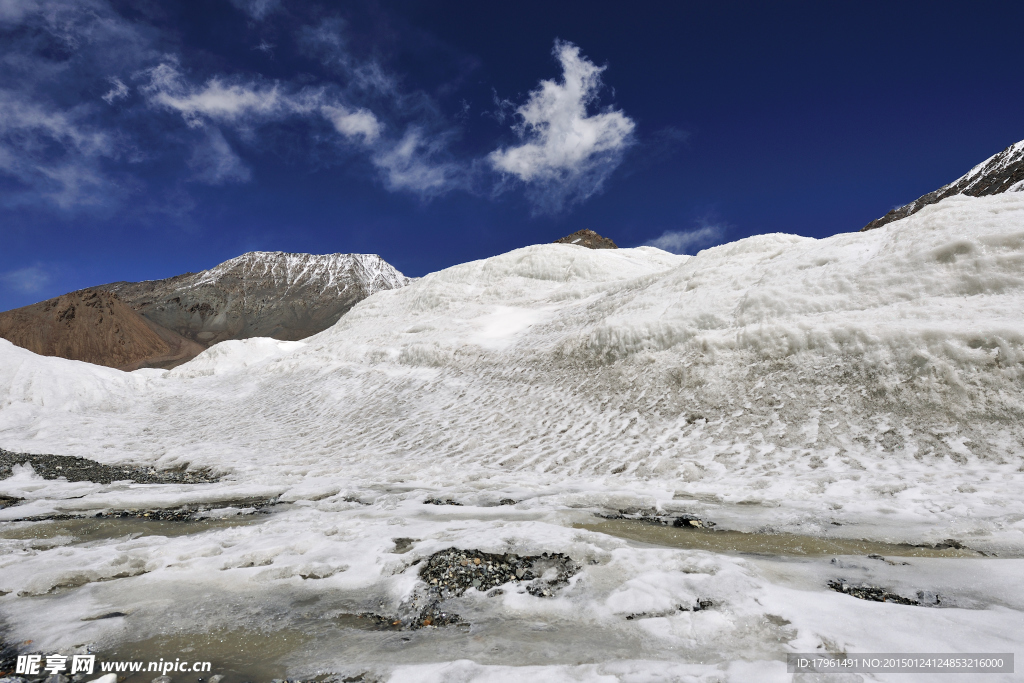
<point>868,380</point>
<point>326,273</point>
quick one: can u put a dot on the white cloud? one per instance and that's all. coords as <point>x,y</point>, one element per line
<point>216,99</point>
<point>412,163</point>
<point>245,103</point>
<point>684,241</point>
<point>28,280</point>
<point>565,154</point>
<point>118,91</point>
<point>408,165</point>
<point>214,162</point>
<point>74,157</point>
<point>353,123</point>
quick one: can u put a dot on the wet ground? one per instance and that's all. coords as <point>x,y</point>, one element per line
<point>89,529</point>
<point>736,542</point>
<point>328,624</point>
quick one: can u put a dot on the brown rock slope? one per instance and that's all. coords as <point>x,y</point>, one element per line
<point>95,326</point>
<point>589,239</point>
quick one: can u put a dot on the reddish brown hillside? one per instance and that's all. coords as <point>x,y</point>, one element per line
<point>95,326</point>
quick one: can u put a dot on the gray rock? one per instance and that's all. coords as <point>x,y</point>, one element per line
<point>261,294</point>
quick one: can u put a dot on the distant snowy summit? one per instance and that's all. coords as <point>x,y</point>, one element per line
<point>261,294</point>
<point>164,323</point>
<point>589,239</point>
<point>1003,172</point>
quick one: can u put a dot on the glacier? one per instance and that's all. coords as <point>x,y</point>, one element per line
<point>862,386</point>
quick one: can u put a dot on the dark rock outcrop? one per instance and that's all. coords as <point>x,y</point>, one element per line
<point>1003,172</point>
<point>589,239</point>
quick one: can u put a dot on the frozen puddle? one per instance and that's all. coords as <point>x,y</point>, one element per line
<point>737,542</point>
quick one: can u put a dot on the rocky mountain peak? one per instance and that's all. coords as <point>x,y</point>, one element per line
<point>261,294</point>
<point>1002,172</point>
<point>589,239</point>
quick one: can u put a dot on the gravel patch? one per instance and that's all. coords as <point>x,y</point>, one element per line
<point>699,606</point>
<point>866,591</point>
<point>452,572</point>
<point>83,469</point>
<point>650,516</point>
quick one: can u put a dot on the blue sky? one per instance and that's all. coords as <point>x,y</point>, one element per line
<point>140,140</point>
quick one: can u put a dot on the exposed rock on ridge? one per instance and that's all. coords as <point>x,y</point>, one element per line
<point>1003,172</point>
<point>589,239</point>
<point>97,327</point>
<point>261,294</point>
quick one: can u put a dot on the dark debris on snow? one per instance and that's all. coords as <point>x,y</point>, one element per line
<point>83,469</point>
<point>866,591</point>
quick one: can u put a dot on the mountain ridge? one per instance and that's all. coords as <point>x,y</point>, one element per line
<point>287,296</point>
<point>1001,172</point>
<point>163,323</point>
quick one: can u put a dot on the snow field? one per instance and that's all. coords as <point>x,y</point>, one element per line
<point>871,381</point>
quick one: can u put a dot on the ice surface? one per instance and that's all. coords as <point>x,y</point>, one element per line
<point>869,384</point>
<point>234,355</point>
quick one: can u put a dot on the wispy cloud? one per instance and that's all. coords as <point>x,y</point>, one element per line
<point>117,91</point>
<point>326,42</point>
<point>218,99</point>
<point>142,104</point>
<point>54,155</point>
<point>28,280</point>
<point>257,9</point>
<point>353,123</point>
<point>687,241</point>
<point>56,152</point>
<point>565,154</point>
<point>214,162</point>
<point>413,164</point>
<point>254,102</point>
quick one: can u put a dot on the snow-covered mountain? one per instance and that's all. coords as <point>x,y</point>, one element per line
<point>261,294</point>
<point>1002,172</point>
<point>863,386</point>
